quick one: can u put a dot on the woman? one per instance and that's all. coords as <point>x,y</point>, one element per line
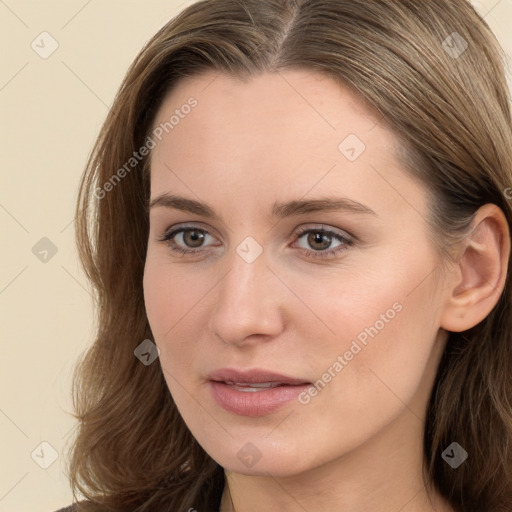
<point>297,220</point>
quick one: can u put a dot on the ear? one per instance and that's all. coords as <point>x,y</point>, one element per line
<point>478,277</point>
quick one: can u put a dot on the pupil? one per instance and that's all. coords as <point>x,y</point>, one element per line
<point>319,238</point>
<point>194,238</point>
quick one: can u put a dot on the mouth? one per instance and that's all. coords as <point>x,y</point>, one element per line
<point>254,387</point>
<point>254,392</point>
<point>254,378</point>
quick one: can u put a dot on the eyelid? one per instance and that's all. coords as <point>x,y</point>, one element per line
<point>297,231</point>
<point>346,239</point>
<point>190,225</point>
<point>327,229</point>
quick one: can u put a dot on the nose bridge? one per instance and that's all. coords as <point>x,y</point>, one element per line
<point>248,278</point>
<point>248,299</point>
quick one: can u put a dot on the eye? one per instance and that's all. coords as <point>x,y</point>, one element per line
<point>324,243</point>
<point>187,240</point>
<point>314,242</point>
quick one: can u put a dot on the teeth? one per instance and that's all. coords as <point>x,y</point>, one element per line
<point>248,389</point>
<point>252,386</point>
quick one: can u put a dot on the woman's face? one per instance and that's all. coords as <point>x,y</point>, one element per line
<point>307,257</point>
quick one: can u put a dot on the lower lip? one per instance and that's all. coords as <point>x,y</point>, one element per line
<point>254,403</point>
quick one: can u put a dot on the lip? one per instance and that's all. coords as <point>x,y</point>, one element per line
<point>253,376</point>
<point>227,387</point>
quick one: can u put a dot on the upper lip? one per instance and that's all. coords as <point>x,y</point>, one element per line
<point>253,376</point>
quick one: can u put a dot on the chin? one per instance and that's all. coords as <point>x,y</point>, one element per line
<point>263,460</point>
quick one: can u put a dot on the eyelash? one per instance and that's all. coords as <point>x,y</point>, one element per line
<point>168,238</point>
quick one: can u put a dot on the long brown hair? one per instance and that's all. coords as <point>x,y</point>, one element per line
<point>434,72</point>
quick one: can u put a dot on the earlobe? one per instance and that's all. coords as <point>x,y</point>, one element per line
<point>479,276</point>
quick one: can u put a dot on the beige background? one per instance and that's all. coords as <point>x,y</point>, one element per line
<point>51,110</point>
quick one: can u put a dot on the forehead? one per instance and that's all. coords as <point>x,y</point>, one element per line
<point>308,93</point>
<point>294,131</point>
<point>294,110</point>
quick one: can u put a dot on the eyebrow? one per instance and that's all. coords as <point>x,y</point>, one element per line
<point>279,210</point>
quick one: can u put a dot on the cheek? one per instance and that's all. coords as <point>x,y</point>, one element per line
<point>170,295</point>
<point>175,302</point>
<point>384,379</point>
<point>382,324</point>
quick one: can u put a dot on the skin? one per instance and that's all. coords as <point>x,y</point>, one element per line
<point>357,445</point>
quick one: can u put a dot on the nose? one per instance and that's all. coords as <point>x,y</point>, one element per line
<point>250,303</point>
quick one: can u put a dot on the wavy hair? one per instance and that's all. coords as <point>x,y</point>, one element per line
<point>434,73</point>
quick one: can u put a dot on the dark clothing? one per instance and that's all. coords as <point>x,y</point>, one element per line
<point>207,500</point>
<point>72,508</point>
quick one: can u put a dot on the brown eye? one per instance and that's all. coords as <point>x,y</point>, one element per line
<point>188,240</point>
<point>322,243</point>
<point>319,241</point>
<point>193,238</point>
